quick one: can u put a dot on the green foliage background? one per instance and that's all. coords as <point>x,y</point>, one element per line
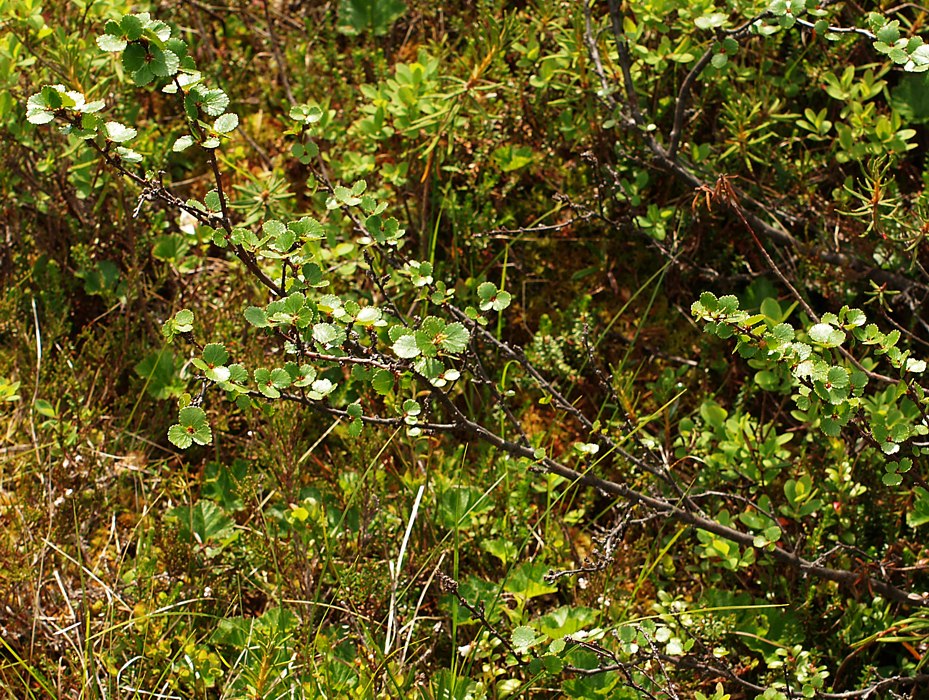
<point>703,222</point>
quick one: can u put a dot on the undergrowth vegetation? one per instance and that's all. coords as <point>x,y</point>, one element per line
<point>389,348</point>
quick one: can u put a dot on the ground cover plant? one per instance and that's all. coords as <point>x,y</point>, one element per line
<point>382,349</point>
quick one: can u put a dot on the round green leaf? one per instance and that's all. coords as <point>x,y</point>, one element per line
<point>160,30</point>
<point>128,155</point>
<point>502,300</point>
<point>486,291</point>
<point>826,335</point>
<point>523,638</point>
<point>368,316</point>
<point>716,19</point>
<point>269,390</point>
<point>837,377</point>
<point>406,347</point>
<point>109,42</point>
<point>892,479</point>
<point>119,133</point>
<point>456,337</point>
<point>39,116</point>
<point>628,634</point>
<point>320,388</point>
<point>552,664</point>
<point>280,377</point>
<point>184,321</point>
<point>213,102</point>
<point>767,380</point>
<point>855,317</point>
<point>257,317</point>
<point>202,435</point>
<point>215,354</point>
<point>132,26</point>
<point>217,374</point>
<point>179,437</point>
<point>162,63</point>
<point>182,143</point>
<point>237,374</point>
<point>427,343</point>
<point>383,381</point>
<point>134,58</point>
<point>306,114</point>
<point>192,416</point>
<point>328,335</point>
<point>305,377</point>
<point>226,123</point>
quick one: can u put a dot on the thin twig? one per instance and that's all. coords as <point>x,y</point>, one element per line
<point>278,56</point>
